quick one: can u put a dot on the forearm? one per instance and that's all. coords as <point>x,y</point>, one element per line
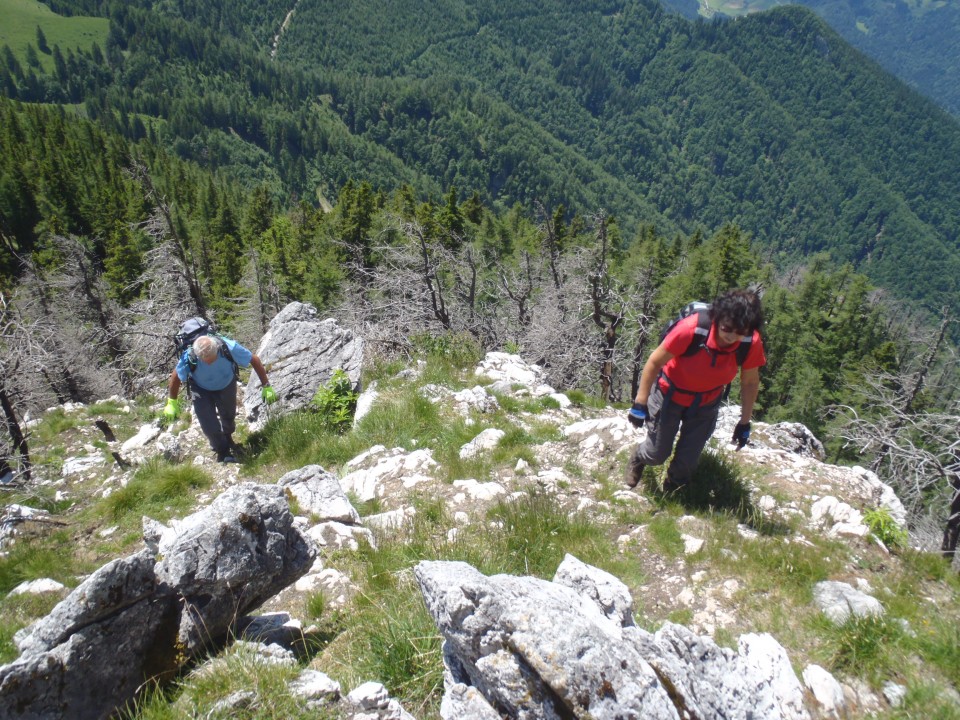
<point>658,358</point>
<point>749,390</point>
<point>259,370</point>
<point>174,385</point>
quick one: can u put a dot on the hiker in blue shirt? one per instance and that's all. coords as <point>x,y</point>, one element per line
<point>210,366</point>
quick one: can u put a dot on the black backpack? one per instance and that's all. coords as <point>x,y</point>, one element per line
<point>702,332</point>
<point>190,330</point>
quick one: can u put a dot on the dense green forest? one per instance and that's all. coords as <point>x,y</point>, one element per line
<point>916,40</point>
<point>772,122</point>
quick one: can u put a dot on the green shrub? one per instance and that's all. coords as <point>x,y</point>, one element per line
<point>335,402</point>
<point>885,528</point>
<point>458,349</point>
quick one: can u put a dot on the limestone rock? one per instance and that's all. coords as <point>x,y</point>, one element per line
<point>141,617</point>
<point>536,649</point>
<point>300,353</point>
<point>839,601</point>
<point>318,493</point>
<point>486,440</point>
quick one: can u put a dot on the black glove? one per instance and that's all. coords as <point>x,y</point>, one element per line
<point>637,415</point>
<point>741,434</point>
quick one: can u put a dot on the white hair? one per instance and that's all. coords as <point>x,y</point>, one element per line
<point>206,348</point>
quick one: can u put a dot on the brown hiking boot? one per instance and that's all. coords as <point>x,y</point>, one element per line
<point>634,472</point>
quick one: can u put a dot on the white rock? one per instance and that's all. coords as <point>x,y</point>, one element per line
<point>391,520</point>
<point>691,545</point>
<point>146,434</point>
<point>365,402</point>
<point>480,491</point>
<point>314,685</point>
<point>79,465</point>
<point>826,690</point>
<point>486,440</point>
<point>38,587</point>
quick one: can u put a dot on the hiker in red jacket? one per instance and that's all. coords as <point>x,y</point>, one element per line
<point>683,383</point>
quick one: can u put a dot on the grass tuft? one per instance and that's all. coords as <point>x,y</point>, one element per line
<point>159,490</point>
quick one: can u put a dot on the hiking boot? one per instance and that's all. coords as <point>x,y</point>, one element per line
<point>227,458</point>
<point>634,473</point>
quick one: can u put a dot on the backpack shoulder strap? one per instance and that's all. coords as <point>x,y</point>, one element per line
<point>700,333</point>
<point>743,349</point>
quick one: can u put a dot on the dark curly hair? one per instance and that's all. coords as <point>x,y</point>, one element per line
<point>739,309</point>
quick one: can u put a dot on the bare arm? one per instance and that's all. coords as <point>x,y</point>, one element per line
<point>259,370</point>
<point>658,358</point>
<point>749,388</point>
<point>174,384</point>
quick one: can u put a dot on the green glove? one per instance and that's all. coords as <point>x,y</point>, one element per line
<point>172,410</point>
<point>268,394</point>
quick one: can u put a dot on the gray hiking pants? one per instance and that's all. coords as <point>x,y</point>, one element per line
<point>216,412</point>
<point>695,425</point>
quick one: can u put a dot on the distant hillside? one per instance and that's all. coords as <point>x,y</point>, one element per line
<point>772,122</point>
<point>916,40</point>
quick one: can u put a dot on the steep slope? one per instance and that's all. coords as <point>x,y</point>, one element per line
<point>746,552</point>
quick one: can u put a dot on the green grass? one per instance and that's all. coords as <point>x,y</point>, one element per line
<point>159,490</point>
<point>19,29</point>
<point>871,647</point>
<point>238,669</point>
<point>535,533</point>
<point>664,535</point>
<point>35,559</point>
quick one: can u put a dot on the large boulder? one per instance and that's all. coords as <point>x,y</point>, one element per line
<point>142,617</point>
<point>301,353</point>
<point>521,647</point>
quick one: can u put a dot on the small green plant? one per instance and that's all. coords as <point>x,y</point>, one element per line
<point>865,646</point>
<point>459,349</point>
<point>885,528</point>
<point>336,401</point>
<point>316,605</point>
<point>665,536</point>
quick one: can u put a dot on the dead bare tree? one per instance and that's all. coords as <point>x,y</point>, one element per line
<point>152,320</point>
<point>916,452</point>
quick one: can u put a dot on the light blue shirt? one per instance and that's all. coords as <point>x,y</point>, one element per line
<point>218,374</point>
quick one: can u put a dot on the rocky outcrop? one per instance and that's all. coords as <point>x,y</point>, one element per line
<point>145,615</point>
<point>300,353</point>
<point>521,647</point>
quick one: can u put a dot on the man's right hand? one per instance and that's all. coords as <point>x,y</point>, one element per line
<point>637,415</point>
<point>172,410</point>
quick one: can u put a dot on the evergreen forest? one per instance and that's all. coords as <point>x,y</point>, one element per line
<point>550,178</point>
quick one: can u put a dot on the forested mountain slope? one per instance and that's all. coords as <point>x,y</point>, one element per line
<point>916,40</point>
<point>772,122</point>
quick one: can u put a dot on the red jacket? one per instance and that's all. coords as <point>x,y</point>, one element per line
<point>709,370</point>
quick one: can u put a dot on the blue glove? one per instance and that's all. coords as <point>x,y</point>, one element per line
<point>741,434</point>
<point>637,415</point>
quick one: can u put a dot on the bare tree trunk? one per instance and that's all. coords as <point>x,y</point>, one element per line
<point>17,436</point>
<point>952,532</point>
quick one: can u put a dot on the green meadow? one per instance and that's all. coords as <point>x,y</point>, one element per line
<point>22,17</point>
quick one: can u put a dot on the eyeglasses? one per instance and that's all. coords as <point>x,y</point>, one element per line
<point>728,330</point>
